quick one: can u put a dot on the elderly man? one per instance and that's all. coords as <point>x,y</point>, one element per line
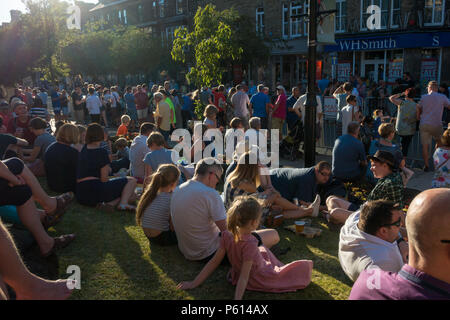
<point>426,276</point>
<point>369,239</point>
<point>430,110</point>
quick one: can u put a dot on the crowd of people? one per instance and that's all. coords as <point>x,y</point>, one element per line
<point>177,203</point>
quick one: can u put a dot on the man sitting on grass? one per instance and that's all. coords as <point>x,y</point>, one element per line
<point>388,187</point>
<point>368,239</point>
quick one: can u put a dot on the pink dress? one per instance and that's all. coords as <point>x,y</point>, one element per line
<point>268,274</point>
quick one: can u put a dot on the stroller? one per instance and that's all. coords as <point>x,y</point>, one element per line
<point>289,146</point>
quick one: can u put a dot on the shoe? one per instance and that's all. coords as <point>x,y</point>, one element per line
<point>316,206</point>
<point>426,169</point>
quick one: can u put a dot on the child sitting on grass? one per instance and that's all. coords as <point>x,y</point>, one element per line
<point>121,159</point>
<point>153,210</point>
<point>253,265</point>
<point>123,128</point>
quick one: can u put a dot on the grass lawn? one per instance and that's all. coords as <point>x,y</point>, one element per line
<point>117,262</point>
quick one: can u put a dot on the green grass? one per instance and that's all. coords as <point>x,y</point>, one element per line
<point>117,262</point>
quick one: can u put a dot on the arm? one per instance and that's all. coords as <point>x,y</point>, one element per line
<point>8,175</point>
<point>221,224</point>
<point>104,173</point>
<point>33,155</point>
<point>148,172</point>
<point>338,91</point>
<point>21,142</point>
<point>206,271</point>
<point>418,111</point>
<point>243,280</point>
<point>395,99</point>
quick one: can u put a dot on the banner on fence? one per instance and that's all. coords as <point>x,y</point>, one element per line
<point>395,70</point>
<point>343,71</point>
<point>330,108</point>
<point>428,70</point>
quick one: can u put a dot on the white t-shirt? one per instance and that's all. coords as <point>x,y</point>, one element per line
<point>300,104</point>
<point>347,116</point>
<point>359,250</point>
<point>115,99</point>
<point>138,150</point>
<point>194,209</point>
<point>93,104</point>
<point>240,101</point>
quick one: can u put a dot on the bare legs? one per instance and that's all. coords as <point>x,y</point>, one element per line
<point>338,209</point>
<point>25,284</point>
<point>269,237</point>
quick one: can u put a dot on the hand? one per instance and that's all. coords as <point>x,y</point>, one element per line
<point>19,181</point>
<point>185,285</point>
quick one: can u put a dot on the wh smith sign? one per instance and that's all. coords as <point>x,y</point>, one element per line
<point>389,42</point>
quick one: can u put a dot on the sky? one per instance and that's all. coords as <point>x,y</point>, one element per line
<point>6,5</point>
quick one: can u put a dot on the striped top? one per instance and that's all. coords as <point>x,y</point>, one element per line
<point>156,215</point>
<point>41,113</point>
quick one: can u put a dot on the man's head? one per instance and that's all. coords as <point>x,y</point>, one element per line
<point>381,218</point>
<point>382,164</point>
<point>353,129</point>
<point>37,125</point>
<point>167,85</point>
<point>158,96</point>
<point>236,123</point>
<point>387,131</point>
<point>427,225</point>
<point>351,100</point>
<point>155,141</point>
<point>433,86</point>
<point>295,92</point>
<point>322,171</point>
<point>146,128</point>
<point>239,87</point>
<point>20,108</point>
<point>280,90</point>
<point>209,171</point>
<point>125,120</point>
<point>260,87</point>
<point>78,89</point>
<point>348,87</point>
<point>255,123</point>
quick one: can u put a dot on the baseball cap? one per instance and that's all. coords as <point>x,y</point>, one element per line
<point>384,157</point>
<point>16,102</point>
<point>280,87</point>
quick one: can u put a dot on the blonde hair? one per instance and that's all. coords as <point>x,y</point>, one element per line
<point>68,133</point>
<point>121,143</point>
<point>125,118</point>
<point>166,175</point>
<point>376,112</point>
<point>386,129</point>
<point>244,172</point>
<point>243,210</point>
<point>445,139</point>
<point>81,130</point>
<point>210,110</point>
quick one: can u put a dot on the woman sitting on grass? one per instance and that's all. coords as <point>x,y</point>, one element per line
<point>153,210</point>
<point>93,186</point>
<point>253,265</point>
<point>246,179</point>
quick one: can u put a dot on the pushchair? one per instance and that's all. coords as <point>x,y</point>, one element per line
<point>289,146</point>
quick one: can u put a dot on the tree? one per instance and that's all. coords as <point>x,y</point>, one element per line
<point>208,46</point>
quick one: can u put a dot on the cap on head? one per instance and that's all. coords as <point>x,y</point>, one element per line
<point>384,157</point>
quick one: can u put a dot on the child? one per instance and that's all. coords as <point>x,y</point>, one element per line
<point>153,210</point>
<point>379,118</point>
<point>253,265</point>
<point>210,115</point>
<point>123,128</point>
<point>43,140</point>
<point>122,157</point>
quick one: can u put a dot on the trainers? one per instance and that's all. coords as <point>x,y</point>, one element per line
<point>316,206</point>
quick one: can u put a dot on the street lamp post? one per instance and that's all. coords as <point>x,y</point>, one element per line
<point>311,102</point>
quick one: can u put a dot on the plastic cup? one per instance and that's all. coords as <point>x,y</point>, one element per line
<point>299,226</point>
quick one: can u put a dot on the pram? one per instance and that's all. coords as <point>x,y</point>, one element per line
<point>289,146</point>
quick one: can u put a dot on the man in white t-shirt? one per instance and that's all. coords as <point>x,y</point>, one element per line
<point>350,112</point>
<point>138,150</point>
<point>241,105</point>
<point>198,213</point>
<point>299,109</point>
<point>370,238</point>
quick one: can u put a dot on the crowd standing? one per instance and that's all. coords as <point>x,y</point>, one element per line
<point>177,203</point>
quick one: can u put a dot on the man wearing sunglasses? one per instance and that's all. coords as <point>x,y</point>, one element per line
<point>426,276</point>
<point>368,239</point>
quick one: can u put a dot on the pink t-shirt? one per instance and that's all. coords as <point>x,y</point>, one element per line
<point>267,274</point>
<point>281,110</point>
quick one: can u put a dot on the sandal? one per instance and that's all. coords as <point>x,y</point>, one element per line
<point>62,201</point>
<point>126,207</point>
<point>105,207</point>
<point>60,243</point>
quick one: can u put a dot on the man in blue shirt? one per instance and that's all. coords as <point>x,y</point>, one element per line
<point>260,105</point>
<point>349,156</point>
<point>187,109</point>
<point>291,116</point>
<point>56,104</point>
<point>323,83</point>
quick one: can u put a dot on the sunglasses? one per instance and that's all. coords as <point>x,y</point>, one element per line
<point>445,241</point>
<point>396,223</point>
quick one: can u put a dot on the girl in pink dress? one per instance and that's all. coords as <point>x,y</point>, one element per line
<point>253,265</point>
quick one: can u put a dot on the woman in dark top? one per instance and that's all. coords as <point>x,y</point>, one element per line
<point>93,186</point>
<point>61,160</point>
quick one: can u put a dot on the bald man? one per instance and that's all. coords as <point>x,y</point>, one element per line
<point>427,273</point>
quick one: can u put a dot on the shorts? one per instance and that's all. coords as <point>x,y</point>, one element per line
<point>277,123</point>
<point>165,238</point>
<point>93,192</point>
<point>427,132</point>
<point>132,113</point>
<point>17,195</point>
<point>142,113</point>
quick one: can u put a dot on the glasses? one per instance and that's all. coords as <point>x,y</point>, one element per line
<point>396,223</point>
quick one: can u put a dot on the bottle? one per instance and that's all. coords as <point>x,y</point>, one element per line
<point>295,200</point>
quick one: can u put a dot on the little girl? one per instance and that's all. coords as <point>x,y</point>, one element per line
<point>253,265</point>
<point>210,115</point>
<point>153,210</point>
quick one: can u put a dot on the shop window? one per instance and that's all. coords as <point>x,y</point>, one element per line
<point>260,21</point>
<point>296,23</point>
<point>434,12</point>
<point>125,21</point>
<point>161,8</point>
<point>341,15</point>
<point>395,13</point>
<point>154,9</point>
<point>285,21</point>
<point>179,6</point>
<point>140,13</point>
<point>295,27</point>
<point>382,4</point>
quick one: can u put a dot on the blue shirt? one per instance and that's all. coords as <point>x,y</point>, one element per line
<point>56,104</point>
<point>295,183</point>
<point>291,117</point>
<point>129,100</point>
<point>259,102</point>
<point>347,153</point>
<point>44,97</point>
<point>323,84</point>
<point>188,104</point>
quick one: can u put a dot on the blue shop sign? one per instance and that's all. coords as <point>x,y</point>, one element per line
<point>393,41</point>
